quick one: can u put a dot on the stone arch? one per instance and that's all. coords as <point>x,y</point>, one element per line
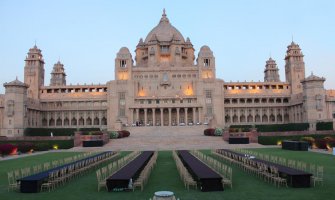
<point>59,122</point>
<point>227,119</point>
<point>51,122</point>
<point>265,118</point>
<point>242,118</point>
<point>74,121</point>
<point>235,119</point>
<point>81,121</point>
<point>286,118</point>
<point>272,118</point>
<point>104,121</point>
<point>279,118</point>
<point>66,121</point>
<point>88,121</point>
<point>257,118</point>
<point>250,118</point>
<point>44,122</point>
<point>96,121</point>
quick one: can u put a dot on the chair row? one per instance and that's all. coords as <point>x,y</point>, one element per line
<point>316,170</point>
<point>265,172</point>
<point>104,172</point>
<point>225,171</point>
<point>185,176</point>
<point>145,173</point>
<point>60,176</point>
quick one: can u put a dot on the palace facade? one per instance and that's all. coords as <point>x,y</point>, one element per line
<point>165,86</point>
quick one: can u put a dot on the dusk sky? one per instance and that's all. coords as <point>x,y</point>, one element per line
<point>86,35</point>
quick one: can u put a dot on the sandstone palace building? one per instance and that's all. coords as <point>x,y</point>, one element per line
<point>167,85</point>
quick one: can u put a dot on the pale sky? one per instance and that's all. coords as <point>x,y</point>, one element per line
<point>86,35</point>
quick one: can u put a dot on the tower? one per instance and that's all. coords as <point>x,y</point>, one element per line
<point>314,100</point>
<point>34,72</point>
<point>58,76</point>
<point>15,108</point>
<point>123,64</point>
<point>206,63</point>
<point>271,71</point>
<point>294,67</point>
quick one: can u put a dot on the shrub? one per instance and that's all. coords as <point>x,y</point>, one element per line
<point>322,126</point>
<point>321,143</point>
<point>240,128</point>
<point>6,149</point>
<point>218,132</point>
<point>123,133</point>
<point>273,140</point>
<point>282,127</point>
<point>209,132</point>
<point>55,131</point>
<point>62,144</point>
<point>42,146</point>
<point>25,147</point>
<point>113,134</point>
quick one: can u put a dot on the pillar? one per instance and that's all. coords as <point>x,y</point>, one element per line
<point>193,111</point>
<point>177,116</point>
<point>153,116</point>
<point>185,116</point>
<point>145,116</point>
<point>161,116</point>
<point>137,114</point>
<point>131,116</point>
<point>169,116</point>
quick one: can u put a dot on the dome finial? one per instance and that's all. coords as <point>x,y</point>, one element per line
<point>164,14</point>
<point>164,18</point>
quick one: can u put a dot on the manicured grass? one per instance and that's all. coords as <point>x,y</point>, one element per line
<point>165,177</point>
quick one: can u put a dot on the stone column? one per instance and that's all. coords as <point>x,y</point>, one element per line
<point>153,117</point>
<point>131,116</point>
<point>177,116</point>
<point>185,116</point>
<point>137,114</point>
<point>200,115</point>
<point>162,117</point>
<point>193,120</point>
<point>169,116</point>
<point>145,116</point>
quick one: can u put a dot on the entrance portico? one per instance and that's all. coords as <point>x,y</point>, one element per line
<point>169,116</point>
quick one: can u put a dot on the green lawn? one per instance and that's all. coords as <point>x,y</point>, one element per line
<point>165,177</point>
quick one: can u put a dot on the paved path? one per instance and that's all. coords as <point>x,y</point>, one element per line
<point>167,138</point>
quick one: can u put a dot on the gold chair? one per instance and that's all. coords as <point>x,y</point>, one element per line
<point>318,178</point>
<point>12,183</point>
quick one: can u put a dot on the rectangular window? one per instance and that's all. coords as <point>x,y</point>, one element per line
<point>208,95</point>
<point>189,100</point>
<point>174,101</point>
<point>206,62</point>
<point>122,103</point>
<point>123,63</point>
<point>157,101</point>
<point>209,110</point>
<point>149,101</point>
<point>164,49</point>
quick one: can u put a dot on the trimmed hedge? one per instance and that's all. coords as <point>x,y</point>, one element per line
<point>282,127</point>
<point>55,131</point>
<point>323,126</point>
<point>273,140</point>
<point>240,128</point>
<point>44,144</point>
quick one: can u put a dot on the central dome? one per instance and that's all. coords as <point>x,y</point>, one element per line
<point>164,32</point>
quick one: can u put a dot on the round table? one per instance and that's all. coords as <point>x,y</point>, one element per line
<point>164,195</point>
